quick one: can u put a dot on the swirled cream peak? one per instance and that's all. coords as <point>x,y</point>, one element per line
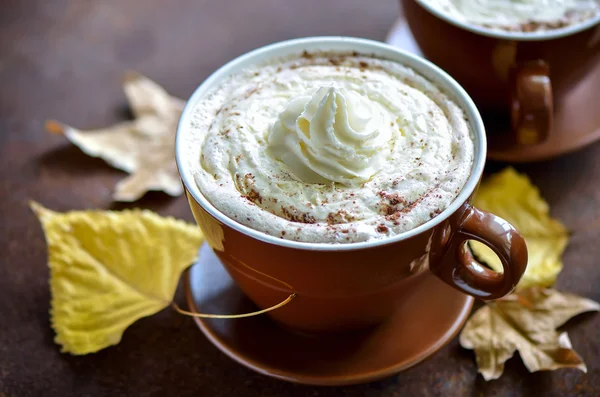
<point>328,147</point>
<point>524,15</point>
<point>334,134</point>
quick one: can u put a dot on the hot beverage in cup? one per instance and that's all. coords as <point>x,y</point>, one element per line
<point>519,16</point>
<point>334,174</point>
<point>519,60</point>
<point>330,147</point>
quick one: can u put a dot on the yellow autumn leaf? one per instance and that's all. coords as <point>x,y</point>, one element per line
<point>109,269</point>
<point>511,196</point>
<point>144,147</point>
<point>525,321</point>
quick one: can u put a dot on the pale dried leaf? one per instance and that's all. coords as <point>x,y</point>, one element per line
<point>528,324</point>
<point>547,308</point>
<point>113,144</point>
<point>145,97</point>
<point>492,349</point>
<point>144,147</point>
<point>108,269</point>
<point>512,196</point>
<point>557,353</point>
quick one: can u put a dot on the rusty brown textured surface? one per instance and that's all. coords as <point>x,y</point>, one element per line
<point>63,59</point>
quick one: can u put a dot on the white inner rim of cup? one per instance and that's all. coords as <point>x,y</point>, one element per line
<point>341,44</point>
<point>506,35</point>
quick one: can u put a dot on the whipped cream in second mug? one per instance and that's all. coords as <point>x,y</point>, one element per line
<point>330,148</point>
<point>519,15</point>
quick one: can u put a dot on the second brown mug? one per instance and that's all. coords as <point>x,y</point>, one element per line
<point>513,76</point>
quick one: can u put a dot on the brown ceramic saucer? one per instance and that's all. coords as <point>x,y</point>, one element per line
<point>576,119</point>
<point>425,322</point>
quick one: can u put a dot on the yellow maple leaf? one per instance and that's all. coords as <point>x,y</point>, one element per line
<point>109,269</point>
<point>525,321</point>
<point>513,197</point>
<point>144,147</point>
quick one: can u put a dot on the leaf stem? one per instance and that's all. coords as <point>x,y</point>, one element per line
<point>252,314</point>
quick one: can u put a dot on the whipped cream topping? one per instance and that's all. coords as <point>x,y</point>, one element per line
<point>332,135</point>
<point>329,148</point>
<point>519,14</point>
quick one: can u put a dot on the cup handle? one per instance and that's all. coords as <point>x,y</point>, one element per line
<point>461,270</point>
<point>531,102</point>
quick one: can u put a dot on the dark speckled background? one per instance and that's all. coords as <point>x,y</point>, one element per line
<point>63,59</point>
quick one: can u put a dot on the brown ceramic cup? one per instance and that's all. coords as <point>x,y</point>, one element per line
<point>344,286</point>
<point>513,76</point>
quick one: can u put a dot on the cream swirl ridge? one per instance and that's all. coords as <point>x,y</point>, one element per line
<point>334,135</point>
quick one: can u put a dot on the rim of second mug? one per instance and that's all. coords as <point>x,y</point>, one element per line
<point>506,35</point>
<point>335,43</point>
